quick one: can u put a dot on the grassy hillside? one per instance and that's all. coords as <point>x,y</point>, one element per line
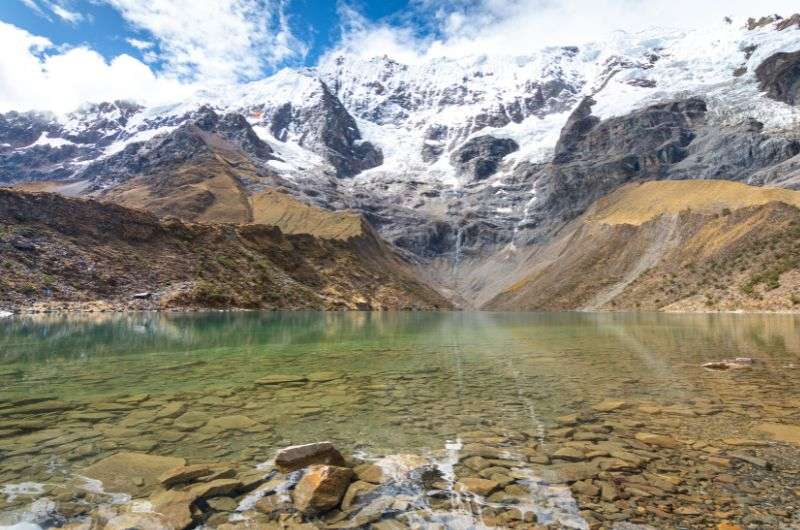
<point>60,252</point>
<point>685,245</point>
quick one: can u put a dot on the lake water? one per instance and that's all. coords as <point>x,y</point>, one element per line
<point>236,387</point>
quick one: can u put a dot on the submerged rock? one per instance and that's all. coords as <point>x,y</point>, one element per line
<point>131,473</point>
<point>659,440</point>
<point>137,521</point>
<point>738,363</point>
<point>781,432</point>
<point>478,486</point>
<point>300,456</point>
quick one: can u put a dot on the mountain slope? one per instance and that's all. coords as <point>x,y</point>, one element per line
<point>465,163</point>
<point>690,245</point>
<point>61,252</point>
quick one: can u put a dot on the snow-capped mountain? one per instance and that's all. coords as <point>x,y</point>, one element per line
<point>451,158</point>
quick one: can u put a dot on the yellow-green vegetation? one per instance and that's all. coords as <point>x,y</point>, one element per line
<point>638,203</point>
<point>672,246</point>
<point>272,207</point>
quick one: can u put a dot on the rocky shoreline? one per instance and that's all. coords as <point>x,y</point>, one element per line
<point>616,465</point>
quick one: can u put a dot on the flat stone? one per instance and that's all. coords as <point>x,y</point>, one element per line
<point>744,442</point>
<point>137,521</point>
<point>184,474</point>
<point>37,408</point>
<point>323,377</point>
<point>215,488</point>
<point>236,422</point>
<point>300,456</point>
<point>569,453</point>
<point>781,432</point>
<point>281,379</point>
<point>121,472</point>
<point>223,504</point>
<point>476,463</point>
<point>321,488</point>
<point>171,410</point>
<point>609,405</point>
<point>191,420</point>
<point>372,512</point>
<point>478,486</point>
<point>659,440</point>
<point>754,460</point>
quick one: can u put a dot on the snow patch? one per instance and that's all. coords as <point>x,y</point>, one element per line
<point>46,140</point>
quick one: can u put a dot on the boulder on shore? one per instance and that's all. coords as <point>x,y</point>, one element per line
<point>300,456</point>
<point>321,488</point>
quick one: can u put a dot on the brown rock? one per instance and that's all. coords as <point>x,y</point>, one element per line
<point>356,490</point>
<point>137,521</point>
<point>184,474</point>
<point>609,492</point>
<point>300,456</point>
<point>321,488</point>
<point>371,473</point>
<point>476,463</point>
<point>131,473</point>
<point>609,405</point>
<point>569,453</point>
<point>478,486</point>
<point>175,507</point>
<point>781,432</point>
<point>659,440</point>
<point>215,488</point>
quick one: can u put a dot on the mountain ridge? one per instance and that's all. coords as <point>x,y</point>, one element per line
<point>462,164</point>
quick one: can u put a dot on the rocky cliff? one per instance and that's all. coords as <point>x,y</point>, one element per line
<point>66,253</point>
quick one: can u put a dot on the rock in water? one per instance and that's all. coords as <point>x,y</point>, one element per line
<point>321,488</point>
<point>137,521</point>
<point>659,440</point>
<point>781,432</point>
<point>131,473</point>
<point>300,456</point>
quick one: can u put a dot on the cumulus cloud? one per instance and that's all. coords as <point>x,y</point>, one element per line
<point>471,27</point>
<point>215,40</point>
<point>184,44</point>
<point>34,74</point>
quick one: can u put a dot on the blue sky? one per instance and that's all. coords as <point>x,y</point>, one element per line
<point>103,28</point>
<point>58,54</point>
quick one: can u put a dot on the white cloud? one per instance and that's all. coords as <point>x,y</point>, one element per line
<point>31,4</point>
<point>474,27</point>
<point>73,17</point>
<point>140,44</point>
<point>215,40</point>
<point>34,74</point>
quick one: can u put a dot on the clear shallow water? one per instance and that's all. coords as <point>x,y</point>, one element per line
<point>374,383</point>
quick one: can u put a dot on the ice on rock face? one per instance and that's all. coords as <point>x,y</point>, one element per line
<point>378,135</point>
